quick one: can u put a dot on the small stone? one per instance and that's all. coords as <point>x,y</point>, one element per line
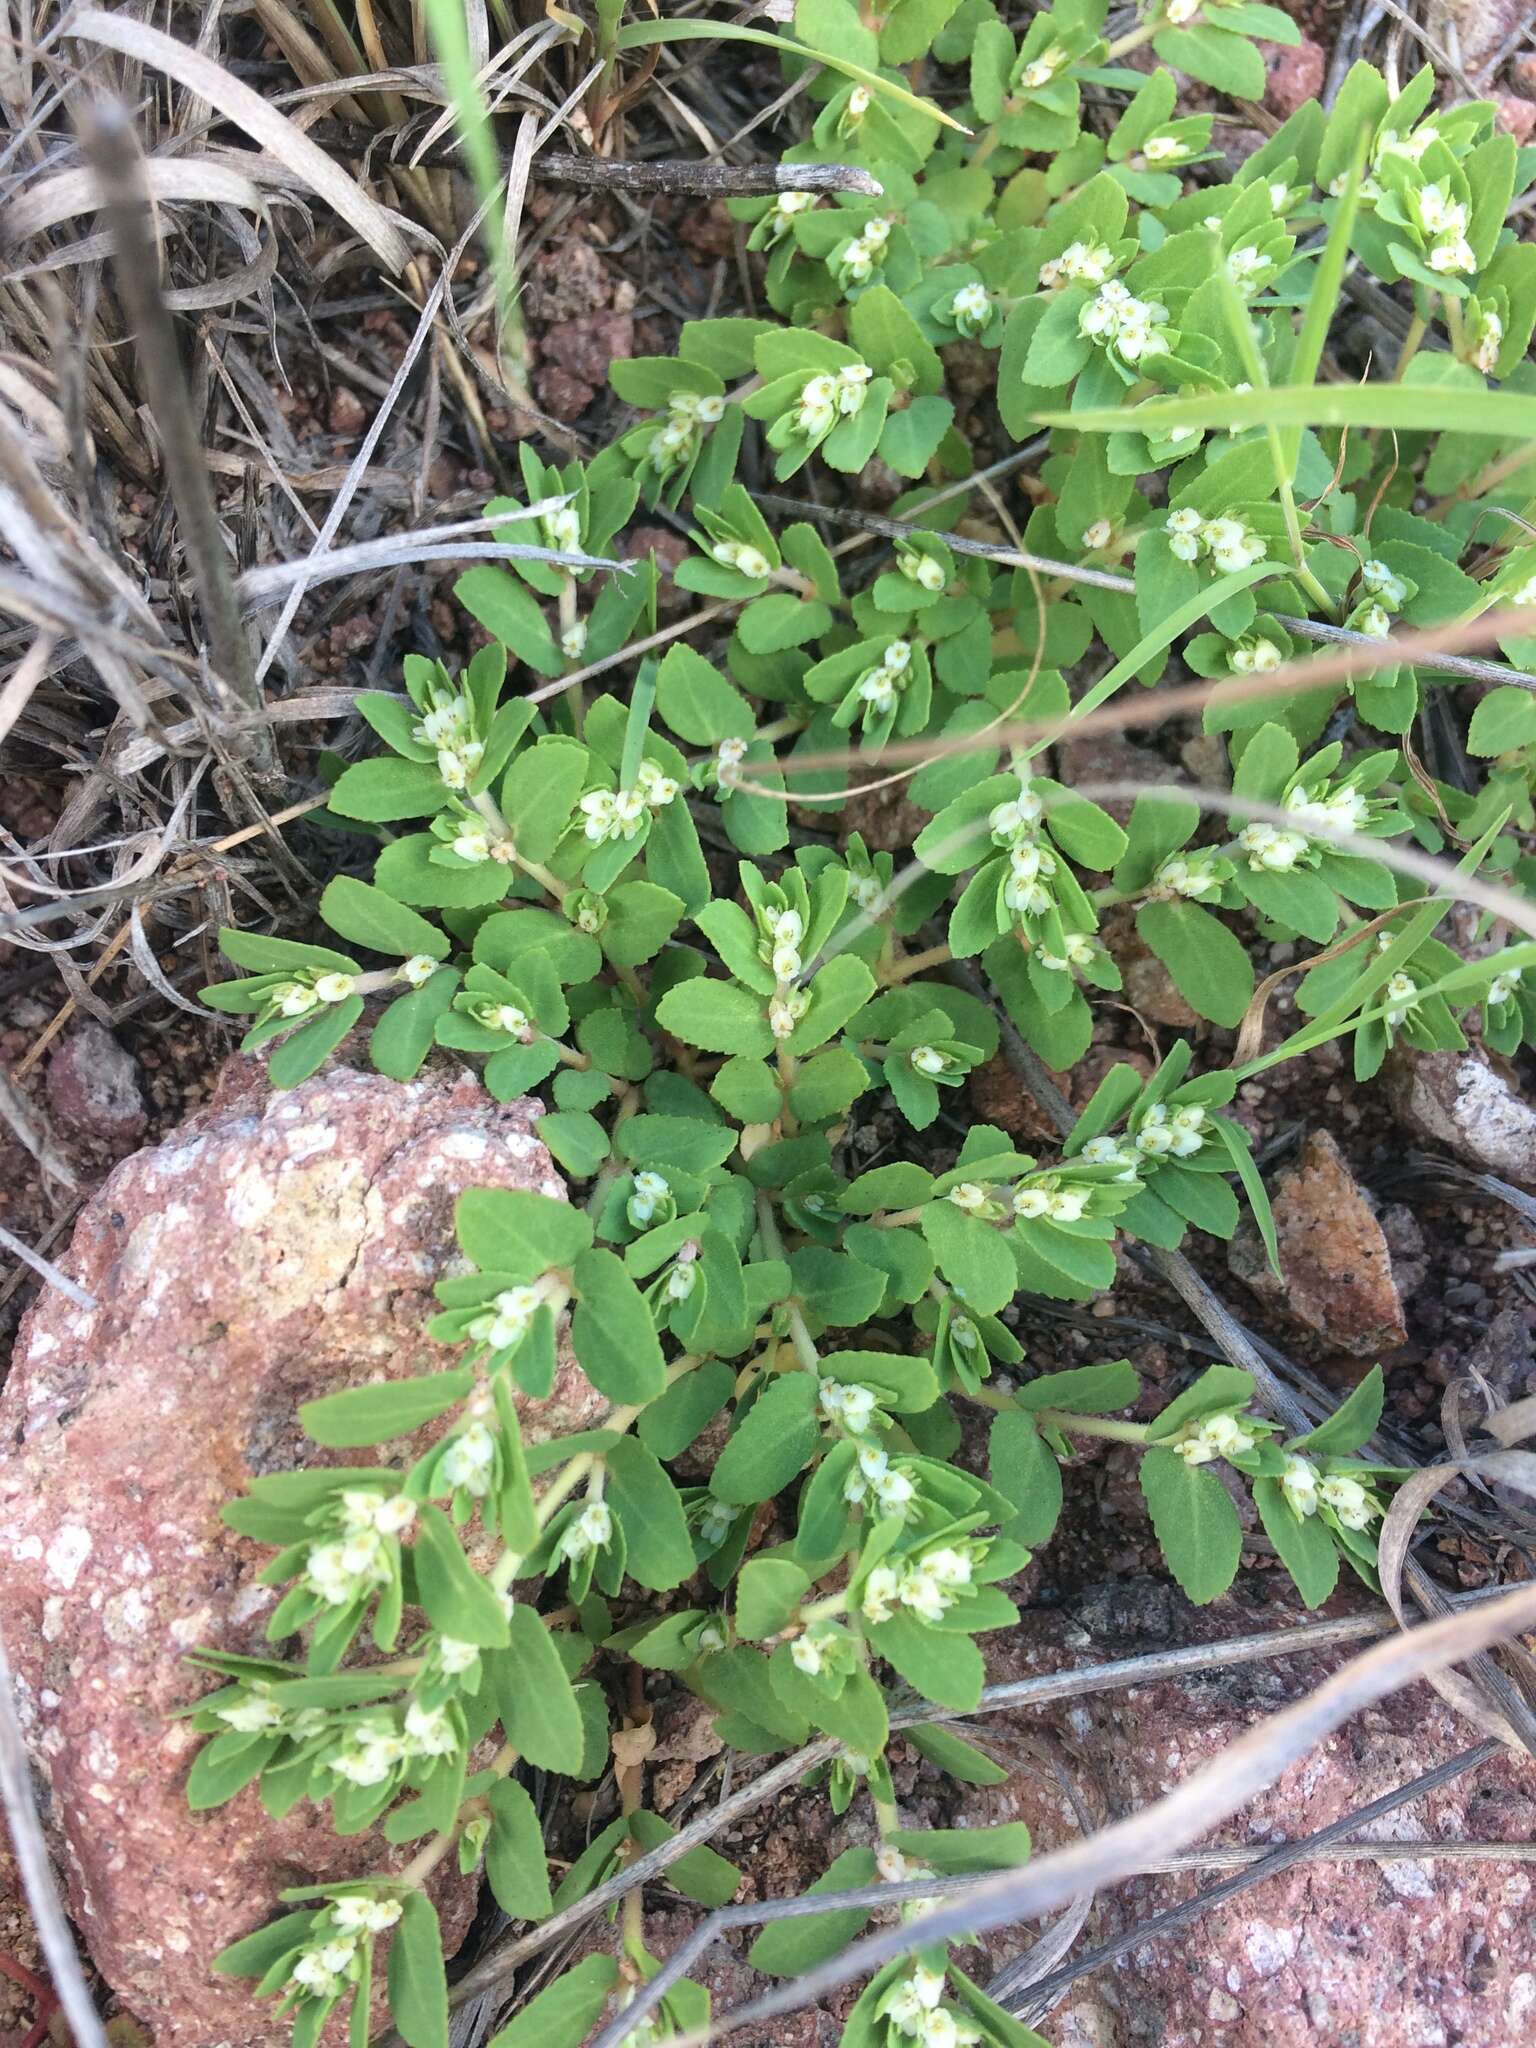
<point>1460,1101</point>
<point>93,1085</point>
<point>1335,1265</point>
<point>584,348</point>
<point>1516,115</point>
<point>1296,75</point>
<point>1522,76</point>
<point>274,1248</point>
<point>346,414</point>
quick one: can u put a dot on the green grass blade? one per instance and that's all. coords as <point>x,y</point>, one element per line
<point>1506,415</point>
<point>1324,295</point>
<point>640,34</point>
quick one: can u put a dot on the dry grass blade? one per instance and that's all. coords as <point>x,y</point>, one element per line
<point>1210,1796</point>
<point>116,158</point>
<point>237,102</point>
<point>37,1876</point>
<point>67,194</point>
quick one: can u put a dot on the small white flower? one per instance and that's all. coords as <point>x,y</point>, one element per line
<point>858,103</point>
<point>1180,11</point>
<point>469,1459</point>
<point>1452,256</point>
<point>1349,1501</point>
<point>1042,69</point>
<point>969,1197</point>
<point>312,1977</point>
<point>1402,993</point>
<point>858,1409</point>
<point>253,1715</point>
<point>853,387</point>
<point>428,1731</point>
<point>927,1059</point>
<point>1067,1205</point>
<point>454,1656</point>
<point>806,1656</point>
<point>335,988</point>
<point>1098,535</point>
<point>971,306</point>
<point>879,1597</point>
<point>894,1491</point>
<point>681,1281</point>
<point>796,202</point>
<point>1164,149</point>
<point>1298,1482</point>
<point>1502,987</point>
<point>355,1913</point>
<point>1031,1202</point>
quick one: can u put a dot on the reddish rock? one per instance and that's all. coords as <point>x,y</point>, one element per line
<point>562,396</point>
<point>1459,1100</point>
<point>1517,115</point>
<point>1337,1271</point>
<point>1295,75</point>
<point>1487,29</point>
<point>1377,1954</point>
<point>566,281</point>
<point>93,1085</point>
<point>584,348</point>
<point>274,1248</point>
<point>1522,76</point>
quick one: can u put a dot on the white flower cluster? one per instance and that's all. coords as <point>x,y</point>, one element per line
<point>376,1746</point>
<point>970,1196</point>
<point>1401,995</point>
<point>1041,70</point>
<point>1255,657</point>
<point>808,1654</point>
<point>929,1586</point>
<point>783,212</point>
<point>1193,875</point>
<point>591,1530</point>
<point>1384,585</point>
<point>1305,1490</point>
<point>1079,263</point>
<point>729,756</point>
<point>332,1960</point>
<point>1230,543</point>
<point>1165,1133</point>
<point>1272,848</point>
<point>1097,536</point>
<point>1249,269</point>
<point>1130,326</point>
<point>298,998</point>
<point>1179,12</point>
<point>864,254</point>
<point>971,309</point>
<point>1044,1199</point>
<point>824,397</point>
<point>1014,824</point>
<point>852,1407</point>
<point>1444,219</point>
<point>1165,149</point>
<point>1081,950</point>
<point>742,556</point>
<point>447,726</point>
<point>1490,342</point>
<point>1502,987</point>
<point>1525,595</point>
<point>688,417</point>
<point>649,1193</point>
<point>715,1521</point>
<point>1107,1151</point>
<point>913,2008</point>
<point>926,571</point>
<point>875,1476</point>
<point>1218,1436</point>
<point>785,1012</point>
<point>1321,809</point>
<point>469,1462</point>
<point>879,687</point>
<point>509,1317</point>
<point>682,1277</point>
<point>347,1566</point>
<point>620,813</point>
<point>779,936</point>
<point>472,842</point>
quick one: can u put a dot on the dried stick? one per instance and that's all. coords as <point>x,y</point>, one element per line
<point>710,180</point>
<point>136,270</point>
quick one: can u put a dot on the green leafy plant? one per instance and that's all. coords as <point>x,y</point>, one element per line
<point>553,901</point>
